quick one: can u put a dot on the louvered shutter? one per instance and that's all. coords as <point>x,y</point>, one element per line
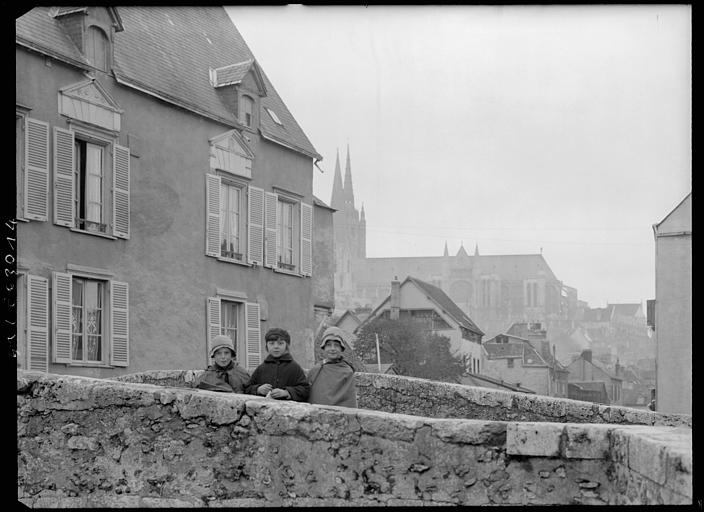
<point>119,324</point>
<point>36,170</point>
<point>213,320</point>
<point>306,239</point>
<point>255,218</point>
<point>64,163</point>
<point>253,352</point>
<point>270,254</point>
<point>61,292</point>
<point>121,191</point>
<point>37,323</point>
<point>212,217</point>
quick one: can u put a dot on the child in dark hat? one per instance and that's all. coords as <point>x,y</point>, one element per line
<point>224,374</point>
<point>279,376</point>
<point>332,381</point>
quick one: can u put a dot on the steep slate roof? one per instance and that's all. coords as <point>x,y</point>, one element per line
<point>321,203</point>
<point>168,52</point>
<point>503,350</point>
<point>598,314</point>
<point>446,303</point>
<point>625,309</point>
<point>518,347</point>
<point>37,30</point>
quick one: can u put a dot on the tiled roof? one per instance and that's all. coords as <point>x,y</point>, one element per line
<point>625,309</point>
<point>597,314</point>
<point>38,30</point>
<point>319,202</point>
<point>233,73</point>
<point>503,350</point>
<point>447,304</point>
<point>169,51</point>
<point>475,379</point>
<point>590,385</point>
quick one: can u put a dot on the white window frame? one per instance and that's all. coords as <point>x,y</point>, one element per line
<point>245,101</point>
<point>83,175</point>
<point>248,345</point>
<point>241,249</point>
<point>93,32</point>
<point>115,321</point>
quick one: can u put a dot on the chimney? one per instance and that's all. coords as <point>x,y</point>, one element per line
<point>587,355</point>
<point>395,298</point>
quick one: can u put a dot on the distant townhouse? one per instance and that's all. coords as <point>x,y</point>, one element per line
<point>164,194</point>
<point>513,359</point>
<point>418,300</point>
<point>584,369</point>
<point>673,309</point>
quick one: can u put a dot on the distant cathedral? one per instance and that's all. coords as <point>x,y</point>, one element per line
<point>494,290</point>
<point>350,227</point>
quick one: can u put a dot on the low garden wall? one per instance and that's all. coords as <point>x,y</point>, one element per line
<point>86,442</point>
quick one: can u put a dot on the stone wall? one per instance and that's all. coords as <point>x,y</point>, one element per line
<point>421,397</point>
<point>86,442</point>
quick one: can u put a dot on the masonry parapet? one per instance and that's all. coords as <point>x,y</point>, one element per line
<point>86,442</point>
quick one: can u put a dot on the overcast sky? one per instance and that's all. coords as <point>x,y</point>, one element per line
<point>517,128</point>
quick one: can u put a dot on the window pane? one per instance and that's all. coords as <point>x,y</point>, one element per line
<point>229,320</point>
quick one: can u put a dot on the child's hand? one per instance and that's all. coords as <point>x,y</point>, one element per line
<point>280,394</point>
<point>264,389</point>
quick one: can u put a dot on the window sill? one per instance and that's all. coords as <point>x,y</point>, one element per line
<point>93,233</point>
<point>89,365</point>
<point>236,262</point>
<point>289,272</point>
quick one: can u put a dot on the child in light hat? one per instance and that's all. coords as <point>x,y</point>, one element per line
<point>332,381</point>
<point>224,374</point>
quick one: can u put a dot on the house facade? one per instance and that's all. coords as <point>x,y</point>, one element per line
<point>164,194</point>
<point>673,309</point>
<point>513,359</point>
<point>584,369</point>
<point>418,300</point>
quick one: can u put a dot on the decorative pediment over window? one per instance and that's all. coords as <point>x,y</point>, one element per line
<point>88,102</point>
<point>229,152</point>
<point>235,73</point>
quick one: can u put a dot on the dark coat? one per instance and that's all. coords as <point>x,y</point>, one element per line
<point>332,383</point>
<point>283,373</point>
<point>231,378</point>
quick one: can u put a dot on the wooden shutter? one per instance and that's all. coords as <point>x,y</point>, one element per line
<point>120,191</point>
<point>213,320</point>
<point>119,324</point>
<point>64,163</point>
<point>271,257</point>
<point>37,323</point>
<point>255,231</point>
<point>306,239</point>
<point>212,215</point>
<point>61,292</point>
<point>36,170</point>
<point>253,352</point>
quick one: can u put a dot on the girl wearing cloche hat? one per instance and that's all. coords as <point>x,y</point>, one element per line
<point>224,374</point>
<point>332,381</point>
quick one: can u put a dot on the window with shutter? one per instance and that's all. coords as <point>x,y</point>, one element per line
<point>90,320</point>
<point>253,353</point>
<point>306,239</point>
<point>64,165</point>
<point>226,218</point>
<point>121,192</point>
<point>271,254</point>
<point>255,230</point>
<point>37,323</point>
<point>36,170</point>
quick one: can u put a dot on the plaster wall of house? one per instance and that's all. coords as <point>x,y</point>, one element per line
<point>673,317</point>
<point>164,261</point>
<point>534,378</point>
<point>323,282</point>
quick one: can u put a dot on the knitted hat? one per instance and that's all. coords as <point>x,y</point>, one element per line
<point>221,341</point>
<point>277,333</point>
<point>333,333</point>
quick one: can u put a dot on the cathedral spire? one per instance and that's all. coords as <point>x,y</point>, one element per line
<point>445,253</point>
<point>361,214</point>
<point>349,193</point>
<point>337,200</point>
<point>476,249</point>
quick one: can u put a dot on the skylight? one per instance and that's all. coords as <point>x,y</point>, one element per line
<point>274,116</point>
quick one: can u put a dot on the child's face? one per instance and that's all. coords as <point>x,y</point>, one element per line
<point>332,349</point>
<point>222,356</point>
<point>277,347</point>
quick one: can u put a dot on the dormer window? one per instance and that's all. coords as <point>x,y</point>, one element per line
<point>97,48</point>
<point>247,111</point>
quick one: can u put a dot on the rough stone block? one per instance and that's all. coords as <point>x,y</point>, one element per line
<point>537,439</point>
<point>587,441</point>
<point>470,432</point>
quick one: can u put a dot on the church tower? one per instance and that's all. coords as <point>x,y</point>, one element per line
<point>349,233</point>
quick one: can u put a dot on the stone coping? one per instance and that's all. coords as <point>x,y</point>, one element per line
<point>662,455</point>
<point>459,401</point>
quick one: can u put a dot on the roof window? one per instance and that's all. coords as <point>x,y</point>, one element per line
<point>273,115</point>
